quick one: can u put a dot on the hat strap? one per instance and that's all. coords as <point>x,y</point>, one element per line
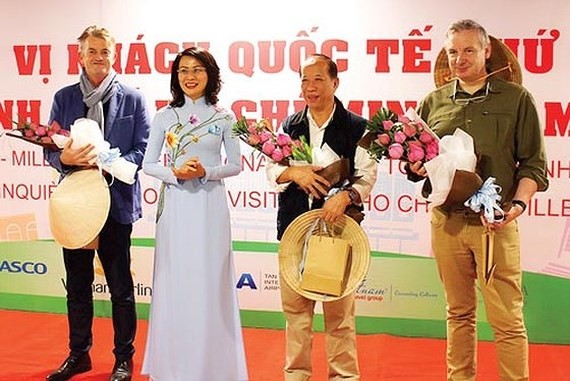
<point>508,67</point>
<point>322,228</point>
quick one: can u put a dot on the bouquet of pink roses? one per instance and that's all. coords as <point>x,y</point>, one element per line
<point>278,146</point>
<point>282,149</point>
<point>38,134</point>
<point>399,137</point>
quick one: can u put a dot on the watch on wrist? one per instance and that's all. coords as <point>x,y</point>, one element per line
<point>520,203</point>
<point>353,195</point>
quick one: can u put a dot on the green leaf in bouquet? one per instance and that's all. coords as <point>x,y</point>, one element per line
<point>302,151</point>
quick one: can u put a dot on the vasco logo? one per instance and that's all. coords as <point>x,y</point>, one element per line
<point>23,267</point>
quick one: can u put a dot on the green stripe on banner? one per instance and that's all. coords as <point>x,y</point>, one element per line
<point>364,325</point>
<point>367,325</point>
<point>254,247</point>
<point>273,248</point>
<point>58,305</point>
<point>267,248</point>
<point>142,242</point>
<point>541,327</point>
<point>547,308</point>
<point>21,302</point>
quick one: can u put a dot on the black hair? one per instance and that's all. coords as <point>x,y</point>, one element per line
<point>214,81</point>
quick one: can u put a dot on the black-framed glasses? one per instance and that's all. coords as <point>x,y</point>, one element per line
<point>466,101</point>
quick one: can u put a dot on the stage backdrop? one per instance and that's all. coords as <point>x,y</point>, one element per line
<point>385,51</point>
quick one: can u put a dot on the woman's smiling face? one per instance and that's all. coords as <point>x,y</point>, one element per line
<point>192,77</point>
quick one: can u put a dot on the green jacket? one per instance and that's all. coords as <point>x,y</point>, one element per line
<point>503,121</point>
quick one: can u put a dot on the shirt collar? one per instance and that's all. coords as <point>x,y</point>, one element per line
<point>312,122</point>
<point>490,87</point>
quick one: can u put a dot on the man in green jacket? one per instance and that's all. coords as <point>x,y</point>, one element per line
<point>502,119</point>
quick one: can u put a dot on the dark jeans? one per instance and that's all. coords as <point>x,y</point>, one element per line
<point>114,254</point>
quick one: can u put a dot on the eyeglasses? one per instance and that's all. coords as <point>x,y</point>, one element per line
<point>194,71</point>
<point>466,101</point>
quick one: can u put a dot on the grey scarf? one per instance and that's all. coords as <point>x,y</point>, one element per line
<point>94,97</point>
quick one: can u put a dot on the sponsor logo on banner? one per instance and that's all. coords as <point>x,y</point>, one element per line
<point>268,282</point>
<point>27,267</point>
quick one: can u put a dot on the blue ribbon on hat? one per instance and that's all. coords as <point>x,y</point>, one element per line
<point>487,198</point>
<point>107,158</point>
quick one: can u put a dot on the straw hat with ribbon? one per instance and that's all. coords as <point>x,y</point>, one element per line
<point>78,208</point>
<point>502,63</point>
<point>291,253</point>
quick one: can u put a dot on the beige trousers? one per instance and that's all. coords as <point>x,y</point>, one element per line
<point>340,336</point>
<point>457,245</point>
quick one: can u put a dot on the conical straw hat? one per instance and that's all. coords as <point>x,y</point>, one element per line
<point>291,252</point>
<point>78,208</point>
<point>501,57</point>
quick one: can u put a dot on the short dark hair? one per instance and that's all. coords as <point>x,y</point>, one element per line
<point>214,80</point>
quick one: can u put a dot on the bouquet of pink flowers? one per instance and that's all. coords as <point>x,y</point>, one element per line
<point>38,133</point>
<point>279,146</point>
<point>399,137</point>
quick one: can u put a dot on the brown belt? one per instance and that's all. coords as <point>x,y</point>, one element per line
<point>465,213</point>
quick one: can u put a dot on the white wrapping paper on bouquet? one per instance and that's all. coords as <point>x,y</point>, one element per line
<point>86,131</point>
<point>456,152</point>
<point>412,115</point>
<point>323,156</point>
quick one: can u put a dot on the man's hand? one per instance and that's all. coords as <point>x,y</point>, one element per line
<point>418,168</point>
<point>335,206</point>
<point>191,169</point>
<point>513,212</point>
<point>307,179</point>
<point>82,156</point>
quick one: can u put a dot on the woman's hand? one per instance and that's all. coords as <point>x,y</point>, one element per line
<point>191,169</point>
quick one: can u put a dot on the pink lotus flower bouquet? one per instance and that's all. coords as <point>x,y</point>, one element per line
<point>404,137</point>
<point>278,146</point>
<point>38,134</point>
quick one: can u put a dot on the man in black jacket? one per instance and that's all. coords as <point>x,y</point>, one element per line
<point>324,120</point>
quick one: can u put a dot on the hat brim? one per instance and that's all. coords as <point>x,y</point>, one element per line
<point>291,252</point>
<point>465,184</point>
<point>501,56</point>
<point>78,208</point>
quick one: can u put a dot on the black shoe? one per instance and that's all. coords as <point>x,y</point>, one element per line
<point>122,371</point>
<point>71,366</point>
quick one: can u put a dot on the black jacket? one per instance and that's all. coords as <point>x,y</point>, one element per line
<point>342,135</point>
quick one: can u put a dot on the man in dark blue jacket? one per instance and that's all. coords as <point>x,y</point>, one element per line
<point>122,114</point>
